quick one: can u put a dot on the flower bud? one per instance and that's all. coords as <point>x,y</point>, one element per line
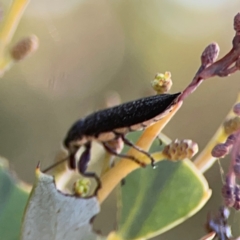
<point>24,48</point>
<point>236,109</point>
<point>162,83</point>
<point>81,187</point>
<point>232,125</point>
<point>180,149</point>
<point>220,150</point>
<point>230,140</point>
<point>236,23</point>
<point>210,54</point>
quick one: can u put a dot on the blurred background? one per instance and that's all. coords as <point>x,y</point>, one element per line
<point>89,48</point>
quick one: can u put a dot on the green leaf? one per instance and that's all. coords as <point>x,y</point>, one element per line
<point>13,199</point>
<point>51,214</point>
<point>154,201</point>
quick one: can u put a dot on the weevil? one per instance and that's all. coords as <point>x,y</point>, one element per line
<point>114,123</point>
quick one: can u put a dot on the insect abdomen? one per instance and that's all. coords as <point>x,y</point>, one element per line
<point>128,114</point>
<point>126,117</point>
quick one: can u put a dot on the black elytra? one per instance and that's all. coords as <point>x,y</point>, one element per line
<point>114,123</point>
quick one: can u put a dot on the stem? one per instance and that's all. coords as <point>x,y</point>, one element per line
<point>150,134</point>
<point>10,22</point>
<point>111,178</point>
<point>5,64</point>
<point>205,160</point>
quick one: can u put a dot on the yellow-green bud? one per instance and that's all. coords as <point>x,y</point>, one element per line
<point>232,125</point>
<point>162,83</point>
<point>81,187</point>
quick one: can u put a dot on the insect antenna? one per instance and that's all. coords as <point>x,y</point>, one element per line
<point>55,164</point>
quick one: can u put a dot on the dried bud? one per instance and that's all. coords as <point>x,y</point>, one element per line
<point>81,187</point>
<point>210,54</point>
<point>162,83</point>
<point>220,150</point>
<point>236,23</point>
<point>180,149</point>
<point>232,125</point>
<point>24,47</point>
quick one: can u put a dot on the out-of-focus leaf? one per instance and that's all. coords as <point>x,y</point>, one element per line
<point>51,214</point>
<point>154,201</point>
<point>13,199</point>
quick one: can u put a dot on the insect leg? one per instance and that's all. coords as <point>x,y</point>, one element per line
<point>113,152</point>
<point>72,154</point>
<point>72,161</point>
<point>130,144</point>
<point>83,163</point>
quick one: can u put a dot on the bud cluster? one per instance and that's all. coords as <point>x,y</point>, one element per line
<point>180,149</point>
<point>81,187</point>
<point>162,83</point>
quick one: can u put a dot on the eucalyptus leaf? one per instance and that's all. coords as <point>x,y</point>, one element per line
<point>51,214</point>
<point>13,198</point>
<point>153,201</point>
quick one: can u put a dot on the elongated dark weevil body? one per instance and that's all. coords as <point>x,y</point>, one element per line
<point>114,123</point>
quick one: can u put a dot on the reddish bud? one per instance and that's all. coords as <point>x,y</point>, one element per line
<point>220,150</point>
<point>236,23</point>
<point>236,109</point>
<point>230,140</point>
<point>210,54</point>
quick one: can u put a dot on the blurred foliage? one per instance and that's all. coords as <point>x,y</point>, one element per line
<point>14,195</point>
